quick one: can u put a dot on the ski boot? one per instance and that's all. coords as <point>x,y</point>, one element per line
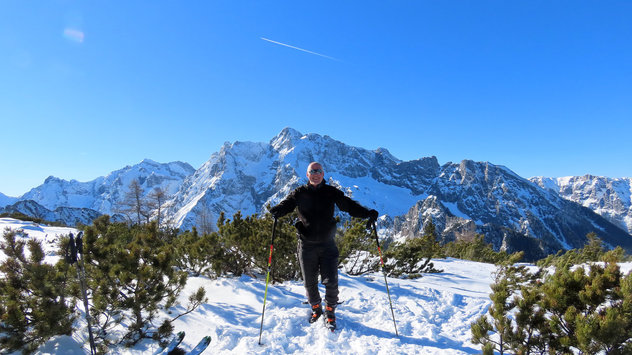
<point>330,317</point>
<point>317,311</point>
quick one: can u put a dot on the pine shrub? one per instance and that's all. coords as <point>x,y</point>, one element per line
<point>414,256</point>
<point>475,250</point>
<point>357,248</point>
<point>246,246</point>
<point>34,303</point>
<point>584,309</point>
<point>131,275</point>
<point>592,251</point>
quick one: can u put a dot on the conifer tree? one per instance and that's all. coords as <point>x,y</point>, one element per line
<point>531,333</point>
<point>475,250</point>
<point>156,200</point>
<point>33,298</point>
<point>358,254</point>
<point>414,256</point>
<point>495,331</point>
<point>592,251</point>
<point>285,265</point>
<point>199,255</point>
<point>233,236</point>
<point>247,240</point>
<point>131,275</point>
<point>585,309</point>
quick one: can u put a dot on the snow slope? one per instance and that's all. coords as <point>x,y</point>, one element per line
<point>433,316</point>
<point>433,313</point>
<point>48,235</point>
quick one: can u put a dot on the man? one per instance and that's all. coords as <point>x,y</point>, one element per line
<point>317,250</point>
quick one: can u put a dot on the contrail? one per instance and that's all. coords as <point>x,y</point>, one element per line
<point>300,49</point>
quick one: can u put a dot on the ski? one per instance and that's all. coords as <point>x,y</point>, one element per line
<point>201,346</point>
<point>175,341</point>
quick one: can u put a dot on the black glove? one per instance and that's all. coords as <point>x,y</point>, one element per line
<point>373,216</point>
<point>274,211</point>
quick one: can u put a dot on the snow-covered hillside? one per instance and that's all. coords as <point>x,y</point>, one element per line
<point>433,313</point>
<point>49,236</point>
<point>105,193</point>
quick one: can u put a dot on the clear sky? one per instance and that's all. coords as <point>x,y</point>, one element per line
<point>88,87</point>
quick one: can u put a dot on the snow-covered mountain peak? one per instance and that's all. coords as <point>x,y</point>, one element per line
<point>103,194</point>
<point>462,198</point>
<point>52,179</point>
<point>249,151</point>
<point>386,154</point>
<point>609,197</point>
<point>286,140</point>
<point>7,200</point>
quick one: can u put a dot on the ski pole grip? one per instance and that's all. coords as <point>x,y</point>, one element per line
<point>374,228</point>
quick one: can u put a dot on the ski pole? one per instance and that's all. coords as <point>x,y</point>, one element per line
<point>379,250</point>
<point>265,295</point>
<point>76,247</point>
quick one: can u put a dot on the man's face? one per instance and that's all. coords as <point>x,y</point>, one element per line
<point>315,174</point>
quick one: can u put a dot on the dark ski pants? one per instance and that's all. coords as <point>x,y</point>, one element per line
<point>320,259</point>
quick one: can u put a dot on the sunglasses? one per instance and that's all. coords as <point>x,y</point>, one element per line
<point>316,171</point>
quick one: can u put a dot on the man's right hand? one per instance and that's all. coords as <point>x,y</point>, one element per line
<point>274,211</point>
<point>373,215</point>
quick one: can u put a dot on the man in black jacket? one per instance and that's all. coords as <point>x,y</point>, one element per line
<point>317,250</point>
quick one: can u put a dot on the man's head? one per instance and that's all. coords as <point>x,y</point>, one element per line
<point>315,173</point>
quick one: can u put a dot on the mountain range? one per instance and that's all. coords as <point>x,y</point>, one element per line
<point>608,197</point>
<point>539,216</point>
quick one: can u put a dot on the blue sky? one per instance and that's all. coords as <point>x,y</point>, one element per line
<point>88,87</point>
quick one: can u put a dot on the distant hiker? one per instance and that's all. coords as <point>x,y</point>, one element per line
<point>317,250</point>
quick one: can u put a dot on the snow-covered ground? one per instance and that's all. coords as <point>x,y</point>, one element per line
<point>48,235</point>
<point>433,314</point>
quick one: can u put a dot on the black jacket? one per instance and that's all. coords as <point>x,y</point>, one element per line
<point>316,210</point>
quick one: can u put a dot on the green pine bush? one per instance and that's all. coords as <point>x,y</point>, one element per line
<point>567,309</point>
<point>34,303</point>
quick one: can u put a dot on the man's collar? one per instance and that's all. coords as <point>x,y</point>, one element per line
<point>322,183</point>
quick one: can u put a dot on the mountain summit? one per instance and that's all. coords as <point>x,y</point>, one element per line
<point>460,198</point>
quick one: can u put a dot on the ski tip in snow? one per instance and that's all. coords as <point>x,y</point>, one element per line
<point>201,346</point>
<point>175,341</point>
